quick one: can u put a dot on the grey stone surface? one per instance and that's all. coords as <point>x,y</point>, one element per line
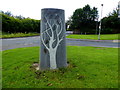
<point>53,40</point>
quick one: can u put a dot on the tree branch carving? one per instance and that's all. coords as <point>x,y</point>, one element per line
<point>57,23</point>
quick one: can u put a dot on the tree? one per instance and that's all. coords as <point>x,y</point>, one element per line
<point>111,23</point>
<point>20,17</point>
<point>8,13</point>
<point>52,30</point>
<point>83,19</point>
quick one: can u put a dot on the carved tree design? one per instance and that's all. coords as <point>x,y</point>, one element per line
<point>51,29</point>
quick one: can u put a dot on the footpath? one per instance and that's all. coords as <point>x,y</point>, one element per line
<point>94,40</point>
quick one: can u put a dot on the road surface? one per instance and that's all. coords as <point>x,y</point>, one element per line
<point>12,43</point>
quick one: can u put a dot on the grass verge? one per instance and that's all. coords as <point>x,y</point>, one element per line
<point>13,35</point>
<point>95,37</point>
<point>89,67</point>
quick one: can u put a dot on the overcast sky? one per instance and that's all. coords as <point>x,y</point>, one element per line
<point>32,8</point>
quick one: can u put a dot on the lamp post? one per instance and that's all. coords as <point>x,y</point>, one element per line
<point>100,22</point>
<point>96,25</point>
<point>119,9</point>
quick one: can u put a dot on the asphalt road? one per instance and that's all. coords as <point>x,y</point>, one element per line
<point>35,41</point>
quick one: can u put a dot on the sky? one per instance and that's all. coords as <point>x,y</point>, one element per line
<point>32,8</point>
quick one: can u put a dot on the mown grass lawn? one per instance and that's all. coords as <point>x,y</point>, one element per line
<point>13,35</point>
<point>89,67</point>
<point>102,36</point>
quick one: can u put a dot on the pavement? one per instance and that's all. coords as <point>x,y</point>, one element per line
<point>95,40</point>
<point>12,43</point>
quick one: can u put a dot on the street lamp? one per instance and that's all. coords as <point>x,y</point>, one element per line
<point>119,9</point>
<point>96,24</point>
<point>100,22</point>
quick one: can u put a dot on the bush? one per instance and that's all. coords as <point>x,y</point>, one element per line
<point>12,24</point>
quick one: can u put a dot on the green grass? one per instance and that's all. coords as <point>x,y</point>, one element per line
<point>89,67</point>
<point>74,36</point>
<point>13,35</point>
<point>95,37</point>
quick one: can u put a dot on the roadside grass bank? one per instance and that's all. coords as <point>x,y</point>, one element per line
<point>14,35</point>
<point>95,37</point>
<point>73,36</point>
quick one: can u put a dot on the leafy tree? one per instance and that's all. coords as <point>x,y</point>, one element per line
<point>20,17</point>
<point>8,13</point>
<point>111,23</point>
<point>83,19</point>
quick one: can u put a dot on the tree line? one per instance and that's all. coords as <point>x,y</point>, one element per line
<point>85,20</point>
<point>111,24</point>
<point>15,24</point>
